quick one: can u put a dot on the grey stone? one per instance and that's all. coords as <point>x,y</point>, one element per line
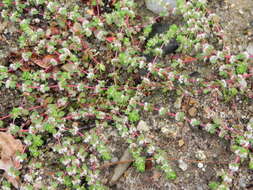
<point>160,6</point>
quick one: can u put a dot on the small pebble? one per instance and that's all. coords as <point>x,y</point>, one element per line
<point>182,165</point>
<point>192,111</point>
<point>69,67</point>
<point>178,102</point>
<point>250,49</point>
<point>181,142</point>
<point>200,155</point>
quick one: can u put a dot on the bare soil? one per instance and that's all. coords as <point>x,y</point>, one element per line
<point>235,17</point>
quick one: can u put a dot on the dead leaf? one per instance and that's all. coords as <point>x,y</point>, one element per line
<point>8,149</point>
<point>3,25</point>
<point>69,67</point>
<point>192,101</point>
<point>15,181</point>
<point>25,68</point>
<point>156,175</point>
<point>90,12</point>
<point>121,168</point>
<point>181,142</point>
<point>46,61</point>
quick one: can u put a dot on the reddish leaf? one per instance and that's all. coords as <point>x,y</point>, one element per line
<point>148,164</point>
<point>110,38</point>
<point>54,31</point>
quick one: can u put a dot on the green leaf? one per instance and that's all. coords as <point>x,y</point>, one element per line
<point>134,116</point>
<point>7,2</point>
<point>37,141</point>
<point>213,185</point>
<point>16,112</point>
<point>117,96</point>
<point>242,68</point>
<point>251,165</point>
<point>140,164</point>
<point>171,175</point>
<point>49,127</point>
<point>123,57</point>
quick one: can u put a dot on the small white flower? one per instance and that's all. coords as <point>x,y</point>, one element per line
<point>200,165</point>
<point>160,160</point>
<point>52,6</point>
<point>165,130</point>
<point>90,75</point>
<point>250,126</point>
<point>26,56</point>
<point>100,34</point>
<point>213,59</point>
<point>224,83</point>
<point>162,111</point>
<point>202,1</point>
<point>62,11</point>
<point>232,59</point>
<point>28,178</point>
<point>158,51</point>
<point>76,39</point>
<point>66,161</point>
<point>53,61</point>
<point>62,102</point>
<point>57,135</point>
<point>151,149</point>
<point>241,154</point>
<point>42,88</point>
<point>201,36</point>
<point>27,142</point>
<point>234,167</point>
<point>182,79</point>
<point>207,49</point>
<point>246,55</point>
<point>75,130</point>
<point>63,150</point>
<point>8,83</point>
<point>227,179</point>
<point>80,87</point>
<point>242,82</point>
<point>76,181</point>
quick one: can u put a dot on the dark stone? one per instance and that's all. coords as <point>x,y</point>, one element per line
<point>171,47</point>
<point>159,28</point>
<point>143,72</point>
<point>149,58</point>
<point>195,74</point>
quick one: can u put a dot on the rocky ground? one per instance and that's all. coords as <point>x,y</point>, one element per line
<point>184,142</point>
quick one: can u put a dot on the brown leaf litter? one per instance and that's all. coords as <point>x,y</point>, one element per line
<point>8,149</point>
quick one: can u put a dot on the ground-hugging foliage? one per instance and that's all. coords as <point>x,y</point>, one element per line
<point>81,67</point>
